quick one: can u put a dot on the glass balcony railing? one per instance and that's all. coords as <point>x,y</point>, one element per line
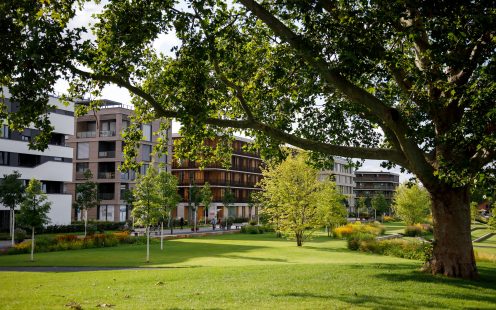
<point>107,133</point>
<point>106,154</point>
<point>106,196</point>
<point>106,175</point>
<point>86,134</point>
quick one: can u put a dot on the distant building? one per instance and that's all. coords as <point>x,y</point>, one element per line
<point>98,146</point>
<point>371,183</point>
<point>344,178</point>
<point>53,167</point>
<point>241,178</point>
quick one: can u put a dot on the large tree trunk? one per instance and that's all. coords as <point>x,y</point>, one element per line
<point>453,254</point>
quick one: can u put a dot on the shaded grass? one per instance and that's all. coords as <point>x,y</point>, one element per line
<point>240,271</point>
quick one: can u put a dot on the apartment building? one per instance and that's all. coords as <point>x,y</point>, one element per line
<point>53,167</point>
<point>344,178</point>
<point>98,147</point>
<point>240,178</point>
<point>371,183</point>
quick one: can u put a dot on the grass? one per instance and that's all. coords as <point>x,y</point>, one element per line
<point>393,228</point>
<point>239,271</point>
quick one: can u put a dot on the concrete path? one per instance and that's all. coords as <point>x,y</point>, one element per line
<point>4,244</point>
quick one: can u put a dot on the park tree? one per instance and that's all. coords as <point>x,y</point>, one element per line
<point>408,82</point>
<point>207,198</point>
<point>146,205</point>
<point>34,210</point>
<point>11,195</point>
<point>195,198</point>
<point>228,200</point>
<point>379,203</point>
<point>332,210</point>
<point>362,209</point>
<point>411,203</point>
<point>169,198</point>
<point>86,197</point>
<point>295,200</point>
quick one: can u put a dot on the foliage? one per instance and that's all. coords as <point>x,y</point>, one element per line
<point>19,234</point>
<point>491,222</point>
<point>86,196</point>
<point>79,227</point>
<point>388,218</point>
<point>74,242</point>
<point>319,75</point>
<point>207,197</point>
<point>11,190</point>
<point>34,207</point>
<point>227,200</point>
<point>168,196</point>
<point>411,204</point>
<point>380,204</point>
<point>409,249</point>
<point>295,201</point>
<point>251,229</point>
<point>343,232</point>
<point>146,211</point>
<point>418,230</point>
<point>474,210</point>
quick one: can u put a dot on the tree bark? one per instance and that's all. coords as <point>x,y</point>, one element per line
<point>299,238</point>
<point>162,235</point>
<point>453,253</point>
<point>12,225</point>
<point>147,244</point>
<point>85,221</point>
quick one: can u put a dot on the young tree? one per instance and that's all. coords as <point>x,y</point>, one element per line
<point>207,198</point>
<point>168,200</point>
<point>228,200</point>
<point>11,195</point>
<point>146,211</point>
<point>195,199</point>
<point>362,207</point>
<point>331,207</point>
<point>295,198</point>
<point>34,210</point>
<point>380,204</point>
<point>320,75</point>
<point>411,204</point>
<point>86,197</point>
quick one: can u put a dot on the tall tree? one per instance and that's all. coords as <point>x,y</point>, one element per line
<point>11,195</point>
<point>207,198</point>
<point>411,203</point>
<point>168,200</point>
<point>228,200</point>
<point>86,197</point>
<point>195,198</point>
<point>322,75</point>
<point>332,210</point>
<point>146,211</point>
<point>34,210</point>
<point>295,200</point>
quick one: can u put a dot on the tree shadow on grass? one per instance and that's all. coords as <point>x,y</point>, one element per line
<point>260,259</point>
<point>363,300</point>
<point>487,279</point>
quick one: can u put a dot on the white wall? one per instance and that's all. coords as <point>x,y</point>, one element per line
<point>15,146</point>
<point>60,211</point>
<point>49,171</point>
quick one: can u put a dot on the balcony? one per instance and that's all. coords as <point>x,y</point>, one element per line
<point>106,175</point>
<point>106,154</point>
<point>86,134</point>
<point>106,196</point>
<point>80,176</point>
<point>107,133</point>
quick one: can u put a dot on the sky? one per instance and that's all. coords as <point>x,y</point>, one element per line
<point>163,44</point>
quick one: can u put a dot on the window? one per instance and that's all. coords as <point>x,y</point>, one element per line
<point>147,150</point>
<point>147,132</point>
<point>4,158</point>
<point>5,131</point>
<point>107,128</point>
<point>82,167</point>
<point>57,158</point>
<point>143,168</point>
<point>83,150</point>
<point>107,213</point>
<point>123,213</point>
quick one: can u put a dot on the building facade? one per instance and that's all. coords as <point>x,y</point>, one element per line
<point>53,167</point>
<point>371,183</point>
<point>241,178</point>
<point>344,177</point>
<point>98,147</point>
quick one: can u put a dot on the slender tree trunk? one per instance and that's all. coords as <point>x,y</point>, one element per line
<point>12,226</point>
<point>453,253</point>
<point>194,220</point>
<point>299,238</point>
<point>171,222</point>
<point>162,235</point>
<point>32,243</point>
<point>148,244</point>
<point>85,221</point>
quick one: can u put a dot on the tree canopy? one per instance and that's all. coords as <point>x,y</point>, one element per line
<point>411,203</point>
<point>408,82</point>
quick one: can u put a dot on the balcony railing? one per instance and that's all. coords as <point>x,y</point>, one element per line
<point>80,176</point>
<point>107,133</point>
<point>106,175</point>
<point>106,154</point>
<point>106,196</point>
<point>86,134</point>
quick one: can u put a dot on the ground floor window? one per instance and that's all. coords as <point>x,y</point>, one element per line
<point>123,213</point>
<point>106,213</point>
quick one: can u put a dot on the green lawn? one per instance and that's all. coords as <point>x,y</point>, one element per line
<point>394,228</point>
<point>239,271</point>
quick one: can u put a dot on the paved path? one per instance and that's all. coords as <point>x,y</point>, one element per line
<point>4,244</point>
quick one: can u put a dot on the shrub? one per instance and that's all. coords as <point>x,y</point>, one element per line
<point>66,238</point>
<point>252,222</point>
<point>250,229</point>
<point>418,230</point>
<point>388,218</point>
<point>347,230</point>
<point>356,239</point>
<point>19,235</point>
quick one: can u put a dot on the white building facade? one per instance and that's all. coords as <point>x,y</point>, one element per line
<point>344,177</point>
<point>53,167</point>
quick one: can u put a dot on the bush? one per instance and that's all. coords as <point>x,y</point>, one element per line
<point>418,230</point>
<point>79,227</point>
<point>19,235</point>
<point>250,229</point>
<point>387,219</point>
<point>252,222</point>
<point>355,240</point>
<point>349,229</point>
